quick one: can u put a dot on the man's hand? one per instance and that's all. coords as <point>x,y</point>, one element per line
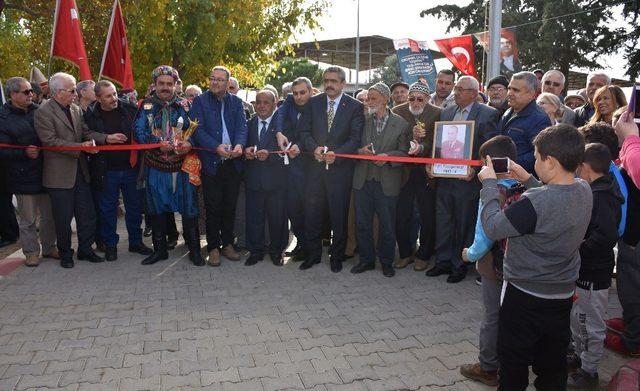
<point>293,151</point>
<point>282,140</point>
<point>419,133</point>
<point>90,144</point>
<point>183,147</point>
<point>166,146</point>
<point>262,154</point>
<point>380,163</point>
<point>237,151</point>
<point>330,157</point>
<point>626,126</point>
<point>517,172</point>
<point>223,151</point>
<point>318,153</point>
<point>487,171</point>
<point>116,138</point>
<point>429,170</point>
<point>249,153</point>
<point>366,150</point>
<point>32,152</point>
<point>471,173</point>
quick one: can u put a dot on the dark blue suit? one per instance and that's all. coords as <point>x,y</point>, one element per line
<point>220,178</point>
<point>332,186</point>
<point>265,183</point>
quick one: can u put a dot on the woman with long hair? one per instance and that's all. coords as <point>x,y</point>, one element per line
<point>606,101</point>
<point>551,105</point>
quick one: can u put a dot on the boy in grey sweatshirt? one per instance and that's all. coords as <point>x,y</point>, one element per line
<point>544,230</point>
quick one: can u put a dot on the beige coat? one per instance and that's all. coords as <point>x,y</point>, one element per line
<point>54,129</point>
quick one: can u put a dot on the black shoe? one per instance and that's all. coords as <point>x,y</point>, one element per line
<point>191,234</point>
<point>101,246</point>
<point>66,263</point>
<point>336,264</point>
<point>456,277</point>
<point>159,239</point>
<point>309,263</point>
<point>301,256</point>
<point>388,271</point>
<point>140,249</point>
<point>172,241</point>
<point>253,259</point>
<point>91,257</point>
<point>276,259</point>
<point>147,232</point>
<point>437,271</point>
<point>362,267</point>
<point>111,254</point>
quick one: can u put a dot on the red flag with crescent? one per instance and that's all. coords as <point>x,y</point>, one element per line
<point>116,61</point>
<point>459,50</point>
<point>67,37</point>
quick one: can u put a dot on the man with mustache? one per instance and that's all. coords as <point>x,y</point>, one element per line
<point>168,188</point>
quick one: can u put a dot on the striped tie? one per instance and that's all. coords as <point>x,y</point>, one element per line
<point>330,115</point>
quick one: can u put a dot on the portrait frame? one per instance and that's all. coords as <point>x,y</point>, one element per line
<point>461,148</point>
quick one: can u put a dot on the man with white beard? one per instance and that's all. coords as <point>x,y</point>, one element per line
<point>421,116</point>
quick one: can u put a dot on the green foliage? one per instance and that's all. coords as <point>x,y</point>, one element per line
<point>191,35</point>
<point>573,41</point>
<point>290,68</point>
<point>389,73</point>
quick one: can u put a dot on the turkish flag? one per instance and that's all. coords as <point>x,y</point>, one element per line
<point>116,61</point>
<point>459,50</point>
<point>67,37</point>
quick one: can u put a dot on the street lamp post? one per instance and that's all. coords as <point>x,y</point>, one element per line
<point>357,44</point>
<point>495,25</point>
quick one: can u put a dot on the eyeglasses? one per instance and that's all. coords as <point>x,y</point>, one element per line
<point>552,83</point>
<point>497,89</point>
<point>27,92</point>
<point>213,79</point>
<point>413,99</point>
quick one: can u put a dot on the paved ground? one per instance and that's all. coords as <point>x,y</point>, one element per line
<point>124,326</point>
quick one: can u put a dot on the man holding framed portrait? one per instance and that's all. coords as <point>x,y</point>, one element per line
<point>462,129</point>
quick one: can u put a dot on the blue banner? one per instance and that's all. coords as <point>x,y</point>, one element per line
<point>416,62</point>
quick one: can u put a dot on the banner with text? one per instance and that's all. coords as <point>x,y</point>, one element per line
<point>416,62</point>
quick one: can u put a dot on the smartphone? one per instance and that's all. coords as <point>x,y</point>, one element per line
<point>635,103</point>
<point>500,165</point>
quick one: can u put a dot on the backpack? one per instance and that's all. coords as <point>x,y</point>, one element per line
<point>509,195</point>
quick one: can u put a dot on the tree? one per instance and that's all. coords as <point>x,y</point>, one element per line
<point>290,68</point>
<point>389,73</point>
<point>554,42</point>
<point>191,35</point>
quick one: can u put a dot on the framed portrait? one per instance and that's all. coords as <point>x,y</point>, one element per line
<point>452,140</point>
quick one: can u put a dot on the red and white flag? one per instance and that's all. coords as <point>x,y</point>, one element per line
<point>459,50</point>
<point>116,60</point>
<point>66,42</point>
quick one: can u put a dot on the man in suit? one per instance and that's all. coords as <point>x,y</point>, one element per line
<point>59,123</point>
<point>584,113</point>
<point>223,128</point>
<point>377,183</point>
<point>421,116</point>
<point>553,82</point>
<point>331,122</point>
<point>457,199</point>
<point>508,63</point>
<point>452,148</point>
<point>265,183</point>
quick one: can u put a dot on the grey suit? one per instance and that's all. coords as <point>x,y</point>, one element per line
<point>568,116</point>
<point>377,188</point>
<point>457,199</point>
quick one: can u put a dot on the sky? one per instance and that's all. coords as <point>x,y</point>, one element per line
<point>401,19</point>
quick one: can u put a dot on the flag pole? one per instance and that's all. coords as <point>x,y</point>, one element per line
<point>4,100</point>
<point>106,44</point>
<point>53,36</point>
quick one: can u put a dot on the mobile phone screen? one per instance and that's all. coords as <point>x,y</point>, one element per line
<point>500,165</point>
<point>636,108</point>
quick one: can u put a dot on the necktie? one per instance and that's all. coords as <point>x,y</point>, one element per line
<point>262,131</point>
<point>330,115</point>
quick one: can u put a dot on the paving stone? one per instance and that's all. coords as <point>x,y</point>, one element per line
<point>30,381</point>
<point>210,377</point>
<point>313,379</point>
<point>249,385</point>
<point>257,372</point>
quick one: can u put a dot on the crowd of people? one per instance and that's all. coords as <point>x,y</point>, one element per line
<point>540,235</point>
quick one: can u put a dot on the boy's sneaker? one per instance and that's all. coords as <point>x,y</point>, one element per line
<point>613,341</point>
<point>582,380</point>
<point>475,372</point>
<point>615,325</point>
<point>573,362</point>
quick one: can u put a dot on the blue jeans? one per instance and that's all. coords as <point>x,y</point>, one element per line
<point>125,181</point>
<point>371,200</point>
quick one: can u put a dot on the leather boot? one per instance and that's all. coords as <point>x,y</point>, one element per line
<point>191,235</point>
<point>159,239</point>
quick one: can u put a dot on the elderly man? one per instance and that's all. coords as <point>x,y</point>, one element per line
<point>573,101</point>
<point>223,129</point>
<point>595,80</point>
<point>553,82</point>
<point>168,188</point>
<point>457,199</point>
<point>524,119</point>
<point>444,85</point>
<point>421,116</point>
<point>24,172</point>
<point>192,91</point>
<point>234,88</point>
<point>497,91</point>
<point>399,93</point>
<point>377,183</point>
<point>59,122</point>
<point>85,94</point>
<point>116,171</point>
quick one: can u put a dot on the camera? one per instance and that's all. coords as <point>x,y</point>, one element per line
<point>500,165</point>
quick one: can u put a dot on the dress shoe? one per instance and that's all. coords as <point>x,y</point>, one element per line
<point>363,267</point>
<point>141,249</point>
<point>111,254</point>
<point>388,271</point>
<point>403,262</point>
<point>230,253</point>
<point>32,260</point>
<point>309,263</point>
<point>253,259</point>
<point>437,271</point>
<point>456,277</point>
<point>91,257</point>
<point>475,372</point>
<point>54,254</point>
<point>66,263</point>
<point>302,255</point>
<point>101,246</point>
<point>214,257</point>
<point>420,265</point>
<point>336,264</point>
<point>276,259</point>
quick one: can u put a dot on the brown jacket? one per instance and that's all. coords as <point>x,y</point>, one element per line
<point>429,116</point>
<point>54,129</point>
